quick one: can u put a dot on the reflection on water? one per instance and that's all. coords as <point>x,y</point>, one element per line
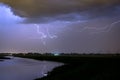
<point>25,69</point>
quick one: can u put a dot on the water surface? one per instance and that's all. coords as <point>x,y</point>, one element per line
<point>25,69</point>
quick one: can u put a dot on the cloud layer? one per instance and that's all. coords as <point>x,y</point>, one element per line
<point>7,16</point>
<point>35,8</point>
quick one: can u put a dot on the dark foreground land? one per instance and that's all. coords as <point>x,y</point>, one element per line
<point>82,67</point>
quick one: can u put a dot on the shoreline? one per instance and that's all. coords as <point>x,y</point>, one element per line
<point>81,68</point>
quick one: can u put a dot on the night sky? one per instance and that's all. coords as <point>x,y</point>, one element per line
<point>81,26</point>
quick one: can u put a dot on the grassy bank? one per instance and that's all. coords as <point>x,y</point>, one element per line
<point>82,67</point>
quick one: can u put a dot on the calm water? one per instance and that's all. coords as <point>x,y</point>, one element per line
<point>25,69</point>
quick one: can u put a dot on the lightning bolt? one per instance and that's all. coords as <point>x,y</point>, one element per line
<point>49,35</point>
<point>107,28</point>
<point>39,32</point>
<point>44,35</point>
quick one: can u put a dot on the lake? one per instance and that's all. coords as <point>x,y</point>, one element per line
<point>25,69</point>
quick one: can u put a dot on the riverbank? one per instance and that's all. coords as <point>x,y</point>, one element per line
<point>82,67</point>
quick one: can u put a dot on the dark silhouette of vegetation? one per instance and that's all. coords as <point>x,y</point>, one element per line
<point>81,66</point>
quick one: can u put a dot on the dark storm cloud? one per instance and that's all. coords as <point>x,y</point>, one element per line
<point>35,8</point>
